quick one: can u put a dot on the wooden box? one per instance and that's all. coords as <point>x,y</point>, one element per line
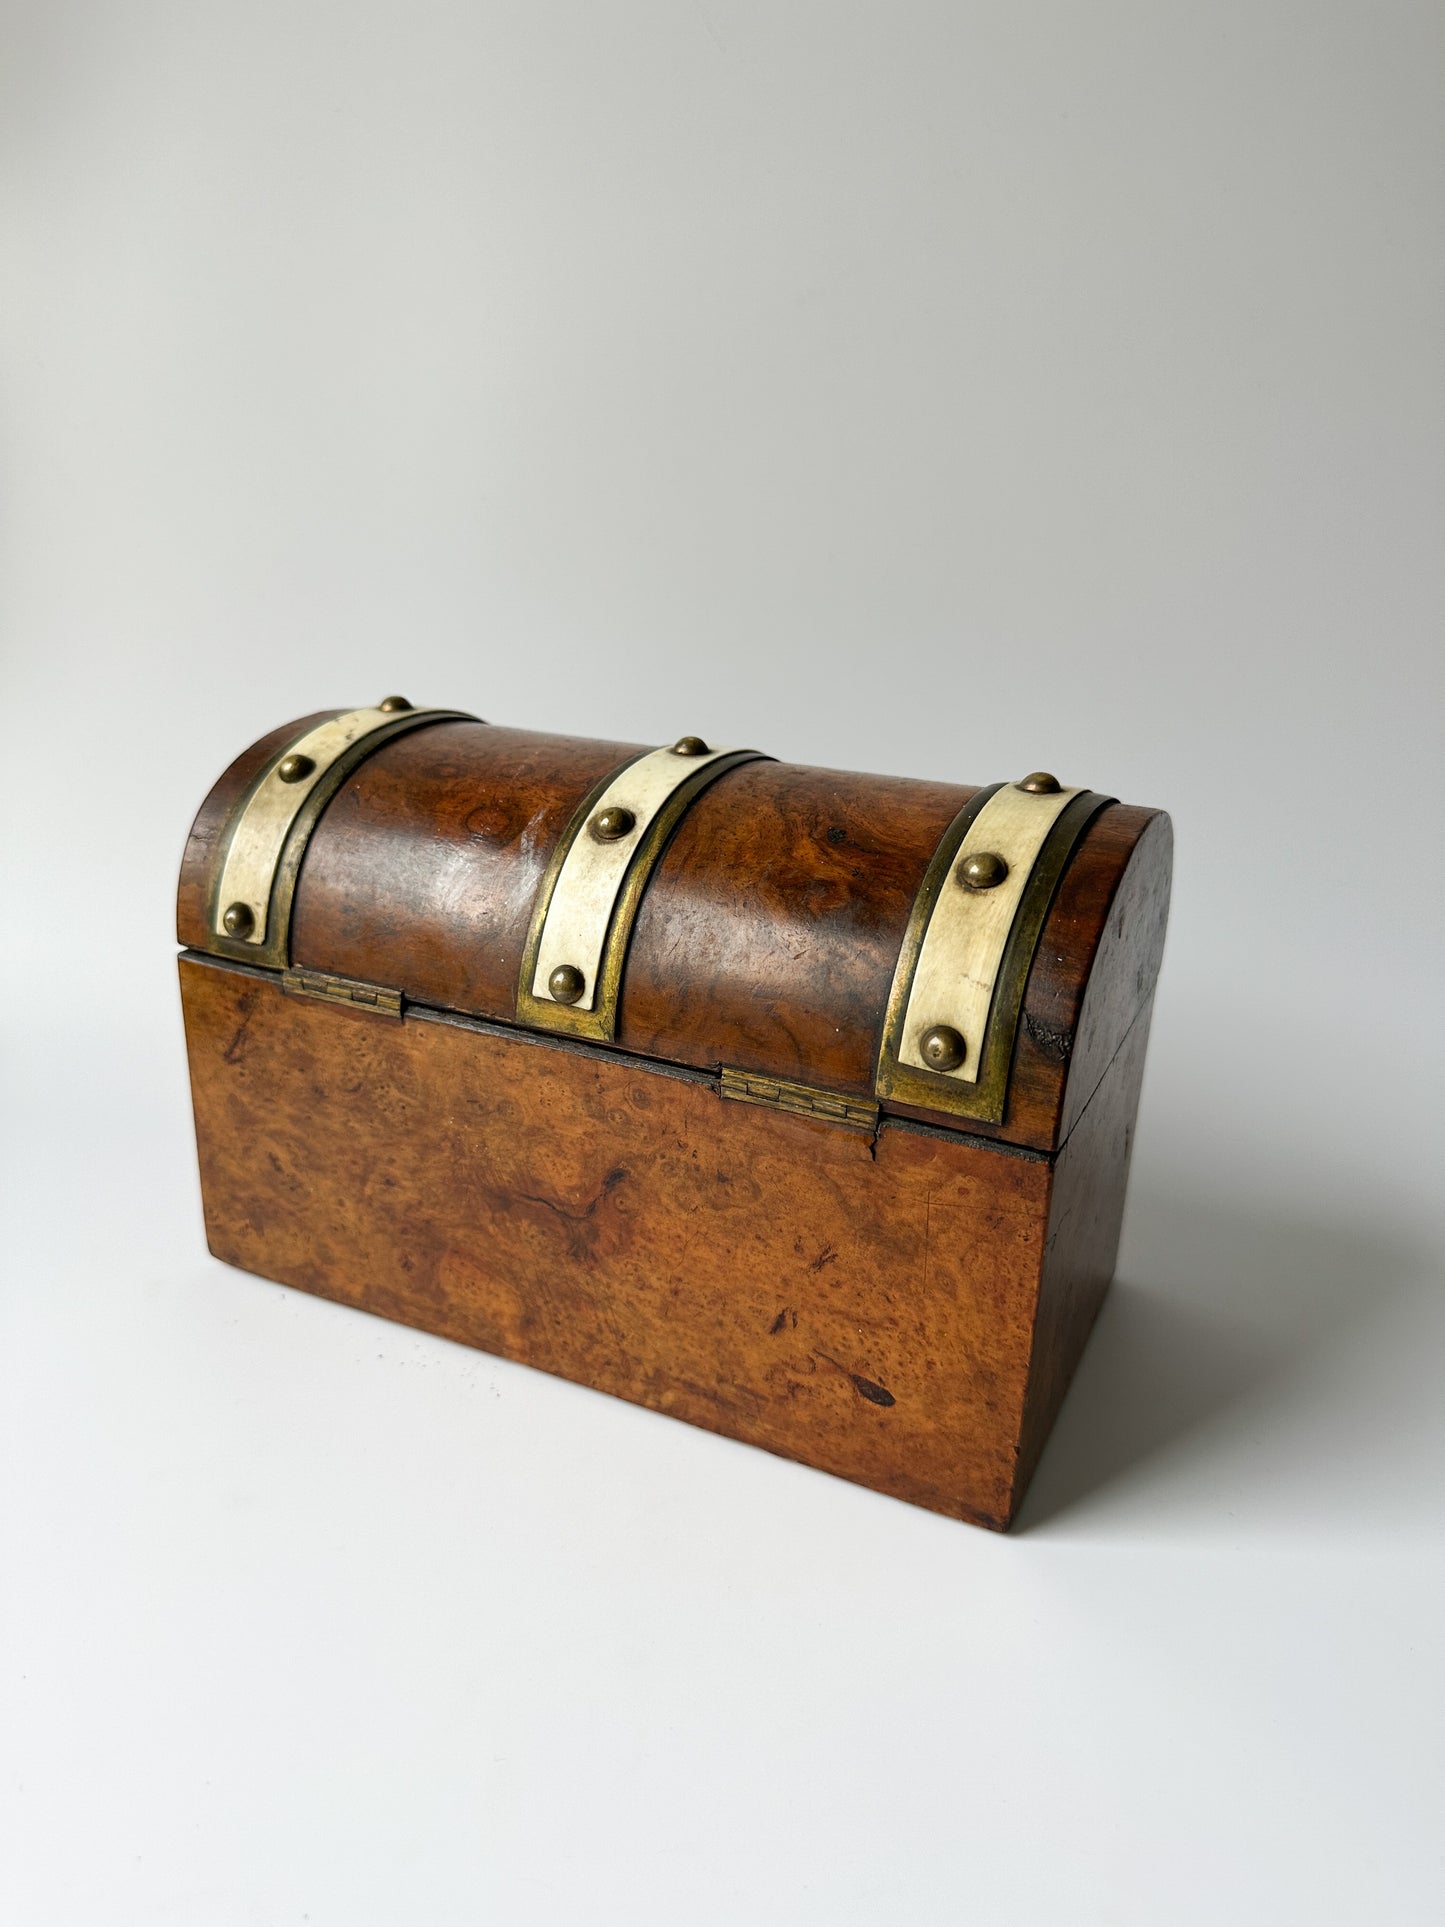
<point>793,1103</point>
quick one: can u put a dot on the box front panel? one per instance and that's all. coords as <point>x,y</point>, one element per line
<point>863,1305</point>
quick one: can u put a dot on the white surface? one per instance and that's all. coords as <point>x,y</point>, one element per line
<point>986,389</point>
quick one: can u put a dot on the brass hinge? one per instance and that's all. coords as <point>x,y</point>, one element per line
<point>342,990</point>
<point>749,1087</point>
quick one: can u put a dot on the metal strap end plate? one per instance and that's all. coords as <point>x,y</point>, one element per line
<point>963,944</point>
<point>953,1011</point>
<point>251,906</point>
<point>571,972</point>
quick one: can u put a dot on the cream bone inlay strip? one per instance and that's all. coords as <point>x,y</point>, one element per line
<point>579,912</point>
<point>967,935</point>
<point>261,830</point>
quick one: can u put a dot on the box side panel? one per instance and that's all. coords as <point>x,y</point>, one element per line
<point>1120,987</point>
<point>865,1309</point>
<point>1085,1220</point>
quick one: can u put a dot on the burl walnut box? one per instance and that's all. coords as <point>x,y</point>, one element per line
<point>793,1103</point>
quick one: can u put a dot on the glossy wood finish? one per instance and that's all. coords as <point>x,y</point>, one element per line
<point>771,928</point>
<point>876,1309</point>
<point>423,872</point>
<point>766,938</point>
<point>767,935</point>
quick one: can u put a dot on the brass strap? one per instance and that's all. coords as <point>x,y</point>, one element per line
<point>571,973</point>
<point>269,833</point>
<point>959,982</point>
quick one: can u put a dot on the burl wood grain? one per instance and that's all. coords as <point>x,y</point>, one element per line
<point>425,868</point>
<point>767,936</point>
<point>869,1309</point>
<point>771,928</point>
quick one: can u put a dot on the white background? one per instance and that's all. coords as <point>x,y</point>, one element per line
<point>948,390</point>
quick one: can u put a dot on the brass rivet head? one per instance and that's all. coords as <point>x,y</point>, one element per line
<point>612,823</point>
<point>984,870</point>
<point>391,704</point>
<point>690,746</point>
<point>941,1048</point>
<point>239,920</point>
<point>291,769</point>
<point>566,984</point>
<point>1040,783</point>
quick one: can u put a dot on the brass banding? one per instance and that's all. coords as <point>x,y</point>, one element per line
<point>251,902</point>
<point>592,872</point>
<point>271,810</point>
<point>593,886</point>
<point>963,946</point>
<point>955,1005</point>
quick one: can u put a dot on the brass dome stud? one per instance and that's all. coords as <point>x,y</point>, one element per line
<point>984,870</point>
<point>291,769</point>
<point>566,984</point>
<point>1040,783</point>
<point>690,746</point>
<point>392,704</point>
<point>239,920</point>
<point>941,1048</point>
<point>610,824</point>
